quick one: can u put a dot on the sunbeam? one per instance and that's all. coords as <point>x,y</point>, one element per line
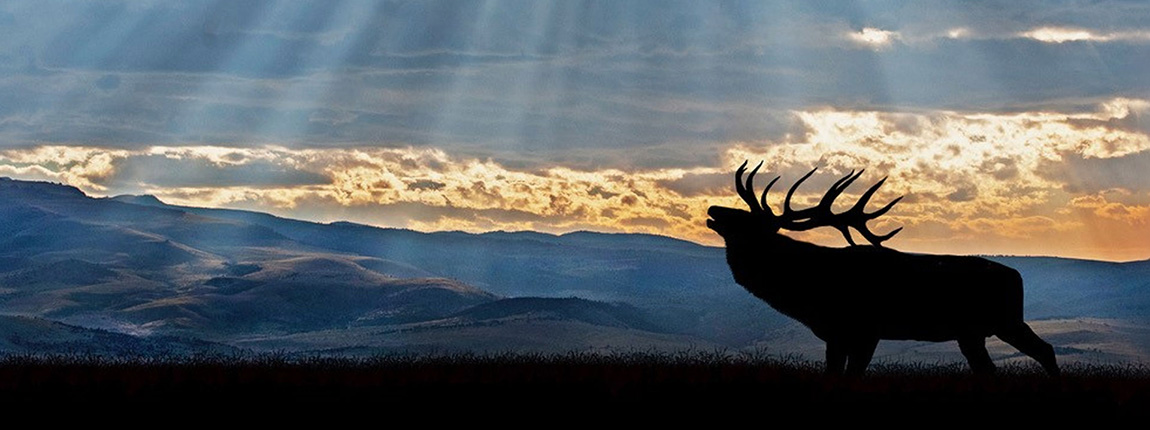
<point>1009,131</point>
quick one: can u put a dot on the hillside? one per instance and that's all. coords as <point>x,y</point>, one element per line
<point>24,335</point>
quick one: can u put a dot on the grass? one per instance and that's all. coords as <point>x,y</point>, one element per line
<point>711,380</point>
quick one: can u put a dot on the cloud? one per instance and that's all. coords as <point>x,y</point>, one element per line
<point>969,175</point>
<point>963,193</point>
<point>163,171</point>
<point>329,182</point>
<point>958,33</point>
<point>425,184</point>
<point>1052,34</point>
<point>1015,228</point>
<point>1081,174</point>
<point>86,168</point>
<point>657,223</point>
<point>601,192</point>
<point>1101,207</point>
<point>964,175</point>
<point>874,38</point>
<point>695,184</point>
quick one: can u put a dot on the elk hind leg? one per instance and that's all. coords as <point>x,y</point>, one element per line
<point>974,349</point>
<point>836,357</point>
<point>859,356</point>
<point>1019,335</point>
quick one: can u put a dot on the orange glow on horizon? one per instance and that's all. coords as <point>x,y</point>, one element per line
<point>976,183</point>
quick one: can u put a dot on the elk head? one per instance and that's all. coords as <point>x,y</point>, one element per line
<point>738,225</point>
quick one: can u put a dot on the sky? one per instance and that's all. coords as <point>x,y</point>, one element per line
<point>1012,127</point>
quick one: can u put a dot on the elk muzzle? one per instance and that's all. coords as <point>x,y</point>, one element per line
<point>723,219</point>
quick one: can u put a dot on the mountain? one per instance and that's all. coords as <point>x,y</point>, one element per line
<point>68,257</point>
<point>136,266</point>
<point>596,265</point>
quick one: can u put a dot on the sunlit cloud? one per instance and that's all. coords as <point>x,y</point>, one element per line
<point>958,33</point>
<point>1046,34</point>
<point>874,38</point>
<point>1060,35</point>
<point>1101,207</point>
<point>1071,34</point>
<point>79,166</point>
<point>967,177</point>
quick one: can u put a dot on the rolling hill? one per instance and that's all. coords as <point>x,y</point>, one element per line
<point>25,335</point>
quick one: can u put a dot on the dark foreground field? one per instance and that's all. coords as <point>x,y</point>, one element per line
<point>700,380</point>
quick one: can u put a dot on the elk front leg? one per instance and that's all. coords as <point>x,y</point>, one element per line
<point>974,348</point>
<point>836,357</point>
<point>860,354</point>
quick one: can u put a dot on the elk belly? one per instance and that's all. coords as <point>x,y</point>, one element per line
<point>946,312</point>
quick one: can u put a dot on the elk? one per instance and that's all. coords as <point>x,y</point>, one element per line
<point>854,296</point>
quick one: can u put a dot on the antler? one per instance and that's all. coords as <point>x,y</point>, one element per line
<point>747,192</point>
<point>820,215</point>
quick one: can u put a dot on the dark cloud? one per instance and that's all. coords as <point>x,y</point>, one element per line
<point>645,221</point>
<point>1134,121</point>
<point>1000,168</point>
<point>694,184</point>
<point>677,210</point>
<point>599,191</point>
<point>159,170</point>
<point>404,213</point>
<point>963,193</point>
<point>1079,174</point>
<point>904,123</point>
<point>425,184</point>
<point>559,205</point>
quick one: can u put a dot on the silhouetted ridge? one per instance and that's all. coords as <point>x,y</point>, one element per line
<point>142,200</point>
<point>627,240</point>
<point>13,188</point>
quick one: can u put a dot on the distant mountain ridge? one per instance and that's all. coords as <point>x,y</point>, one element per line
<point>136,265</point>
<point>442,252</point>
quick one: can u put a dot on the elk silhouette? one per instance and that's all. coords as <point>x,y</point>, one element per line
<point>854,296</point>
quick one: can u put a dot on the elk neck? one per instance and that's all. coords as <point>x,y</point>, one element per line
<point>762,265</point>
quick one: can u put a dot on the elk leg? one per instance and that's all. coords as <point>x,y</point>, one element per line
<point>836,358</point>
<point>1022,337</point>
<point>861,353</point>
<point>974,349</point>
